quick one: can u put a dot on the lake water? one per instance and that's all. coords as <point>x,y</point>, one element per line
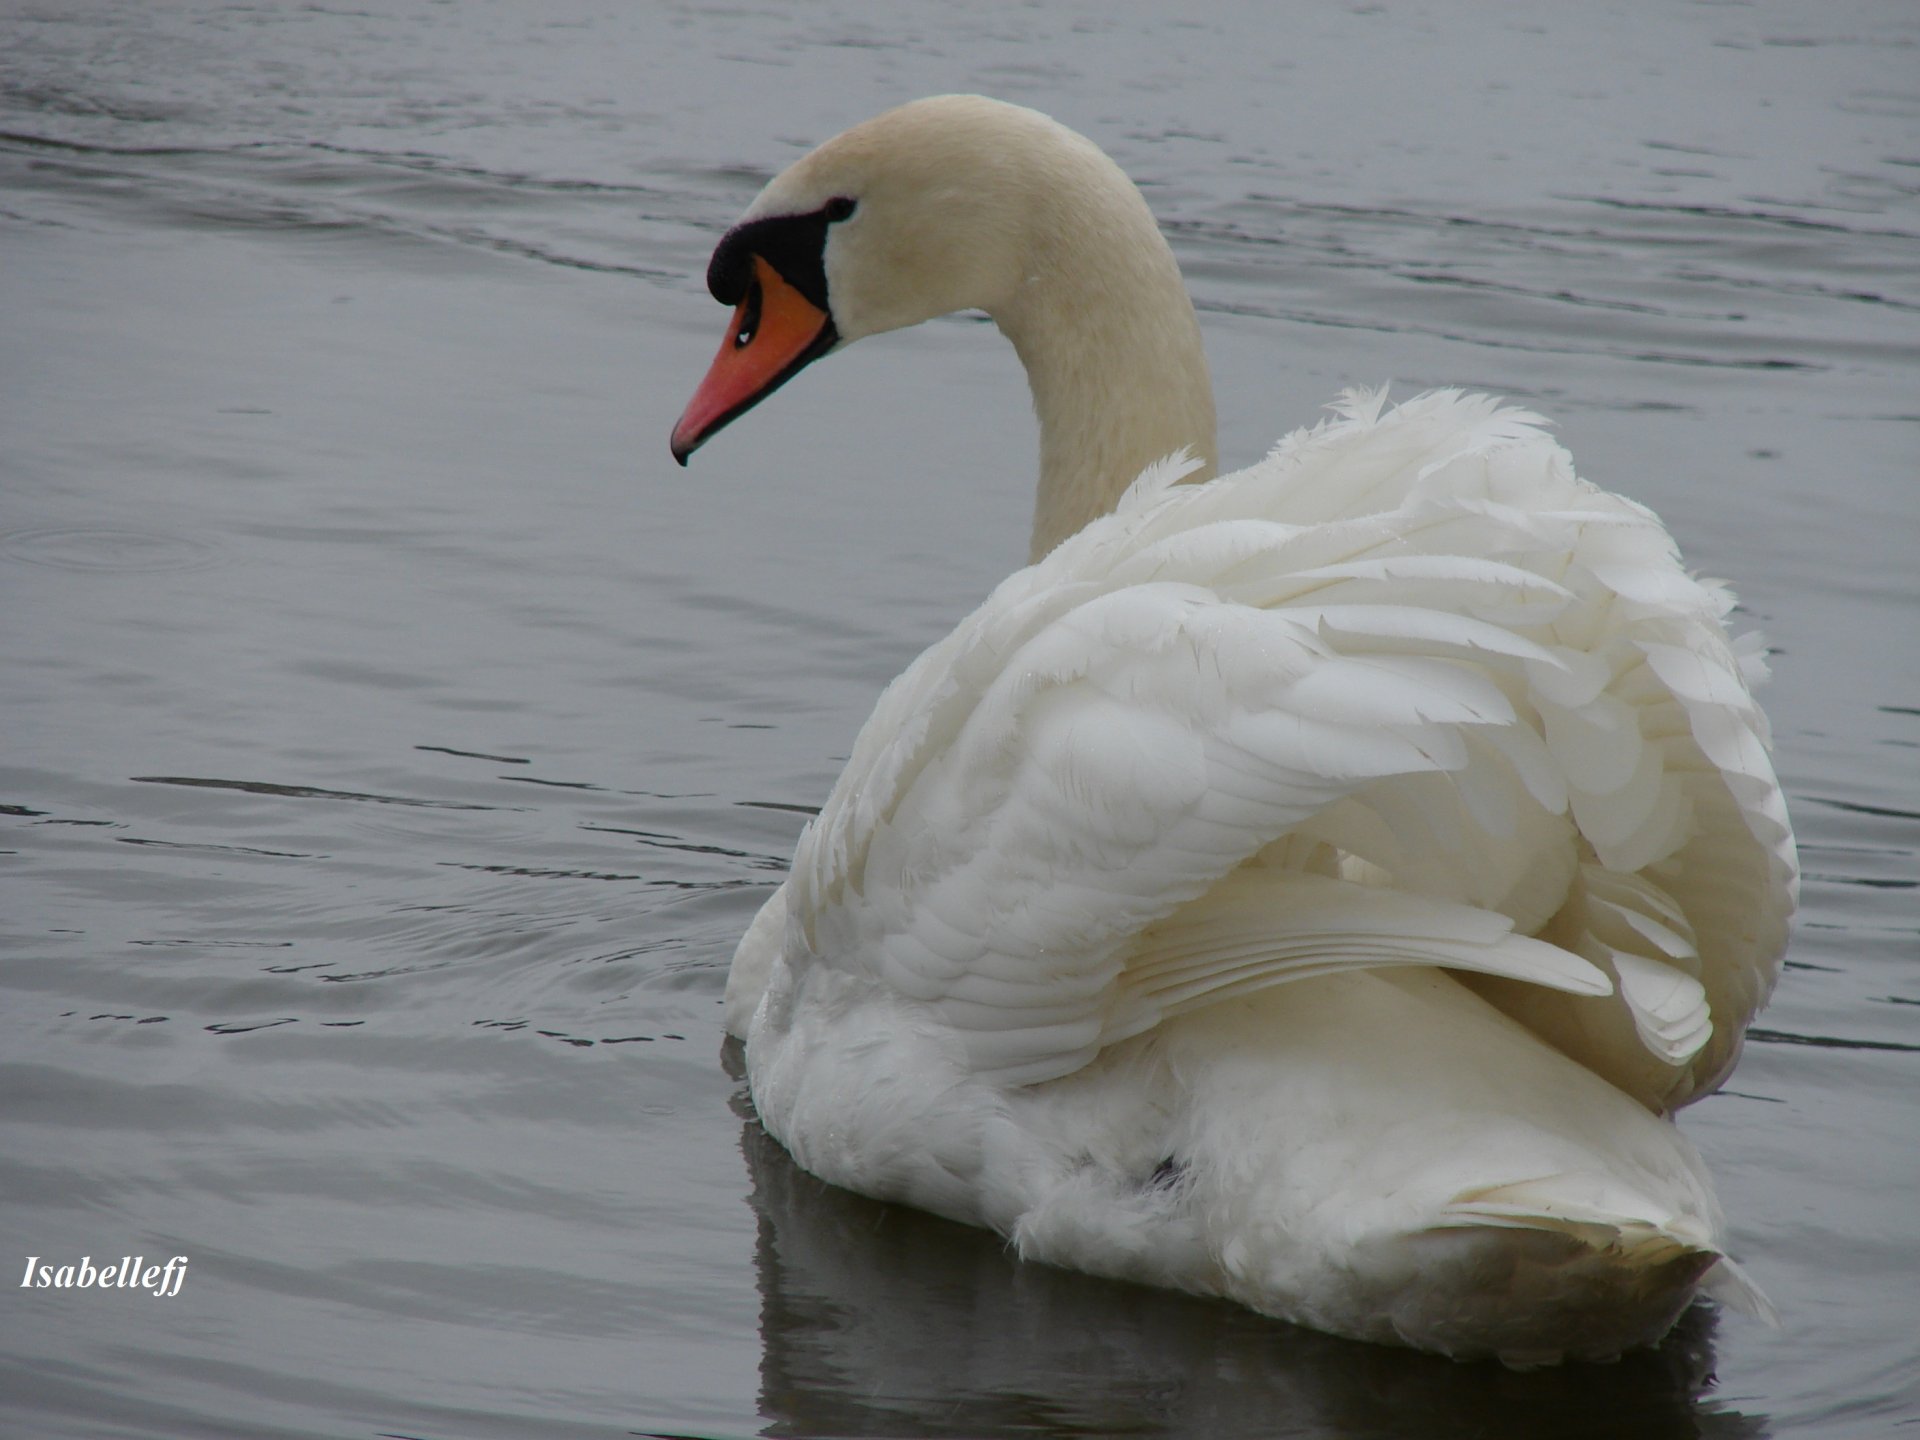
<point>393,741</point>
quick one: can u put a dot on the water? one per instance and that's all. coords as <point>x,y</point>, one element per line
<point>395,742</point>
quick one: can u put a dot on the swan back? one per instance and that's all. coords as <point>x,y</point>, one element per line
<point>1413,652</point>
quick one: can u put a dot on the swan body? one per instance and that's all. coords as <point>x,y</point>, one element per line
<point>1315,886</point>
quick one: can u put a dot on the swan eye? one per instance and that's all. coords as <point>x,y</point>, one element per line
<point>839,208</point>
<point>749,318</point>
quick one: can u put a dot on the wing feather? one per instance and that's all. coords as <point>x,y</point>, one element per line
<point>1408,692</point>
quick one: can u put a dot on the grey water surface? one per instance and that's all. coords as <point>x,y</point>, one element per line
<point>393,742</point>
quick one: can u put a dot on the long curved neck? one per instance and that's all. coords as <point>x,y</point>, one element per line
<point>1107,333</point>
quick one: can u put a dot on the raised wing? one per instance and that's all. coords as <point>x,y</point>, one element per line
<point>1406,692</point>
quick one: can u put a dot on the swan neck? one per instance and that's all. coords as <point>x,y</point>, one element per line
<point>1107,333</point>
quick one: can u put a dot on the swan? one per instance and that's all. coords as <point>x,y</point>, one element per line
<point>1316,886</point>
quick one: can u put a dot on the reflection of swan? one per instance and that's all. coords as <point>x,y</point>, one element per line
<point>877,1320</point>
<point>1172,914</point>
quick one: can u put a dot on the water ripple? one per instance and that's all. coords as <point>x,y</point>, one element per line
<point>101,548</point>
<point>303,792</point>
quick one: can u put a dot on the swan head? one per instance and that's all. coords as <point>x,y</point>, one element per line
<point>918,212</point>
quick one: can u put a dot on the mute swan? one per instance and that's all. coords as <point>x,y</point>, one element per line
<point>1316,886</point>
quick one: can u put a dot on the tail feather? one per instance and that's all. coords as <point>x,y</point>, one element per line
<point>1596,1269</point>
<point>1730,1286</point>
<point>1576,1202</point>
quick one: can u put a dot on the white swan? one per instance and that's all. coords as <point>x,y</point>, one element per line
<point>1315,886</point>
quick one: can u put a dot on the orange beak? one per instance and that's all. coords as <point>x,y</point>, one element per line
<point>776,332</point>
